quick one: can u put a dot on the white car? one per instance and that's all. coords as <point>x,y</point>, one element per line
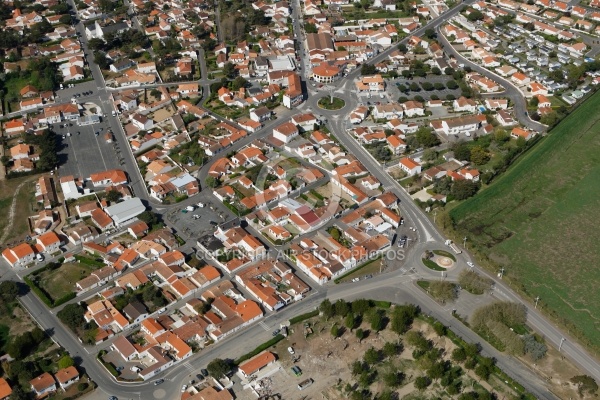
<point>183,388</point>
<point>201,205</point>
<point>470,264</point>
<point>290,350</point>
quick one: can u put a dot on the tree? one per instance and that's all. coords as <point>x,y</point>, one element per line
<point>360,335</point>
<point>474,283</point>
<point>536,350</point>
<point>393,379</point>
<point>475,15</point>
<point>439,328</point>
<point>585,384</point>
<point>430,34</point>
<point>439,86</point>
<point>479,156</point>
<point>422,382</point>
<point>376,320</point>
<point>218,368</point>
<point>18,394</point>
<point>463,189</point>
<point>341,308</point>
<point>358,367</point>
<point>96,44</point>
<point>38,335</point>
<point>9,290</point>
<point>368,69</point>
<point>72,316</point>
<point>391,349</point>
<point>20,346</point>
<point>534,101</point>
<point>335,331</point>
<point>429,155</point>
<point>402,318</point>
<point>428,86</point>
<point>310,28</point>
<point>326,308</point>
<point>66,19</point>
<point>238,83</point>
<point>105,5</point>
<point>113,196</point>
<point>462,151</point>
<point>402,47</point>
<point>360,306</point>
<point>459,354</point>
<point>372,356</point>
<point>150,218</point>
<point>426,137</point>
<point>66,362</point>
<point>101,59</point>
<point>229,70</point>
<point>414,87</point>
<point>211,181</point>
<point>436,71</point>
<point>442,291</point>
<point>349,321</point>
<point>451,85</point>
<point>156,93</point>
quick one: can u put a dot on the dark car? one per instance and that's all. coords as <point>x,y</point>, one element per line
<point>204,372</point>
<point>158,382</point>
<point>213,223</point>
<point>276,332</point>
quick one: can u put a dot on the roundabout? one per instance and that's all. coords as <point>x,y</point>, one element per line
<point>331,103</point>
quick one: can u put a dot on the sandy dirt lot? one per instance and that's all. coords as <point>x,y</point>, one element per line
<point>327,361</point>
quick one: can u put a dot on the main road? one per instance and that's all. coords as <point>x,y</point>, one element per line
<point>391,286</point>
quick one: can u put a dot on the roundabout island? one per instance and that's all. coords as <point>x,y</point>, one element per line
<point>331,103</point>
<point>438,260</point>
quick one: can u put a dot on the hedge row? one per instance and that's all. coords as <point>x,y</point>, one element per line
<point>302,317</point>
<point>259,349</point>
<point>39,292</point>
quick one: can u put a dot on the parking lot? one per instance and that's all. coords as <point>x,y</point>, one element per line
<point>201,221</point>
<point>83,153</point>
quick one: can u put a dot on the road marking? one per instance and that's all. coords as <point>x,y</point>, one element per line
<point>189,367</point>
<point>264,326</point>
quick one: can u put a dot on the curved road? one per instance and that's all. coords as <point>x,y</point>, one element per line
<point>391,286</point>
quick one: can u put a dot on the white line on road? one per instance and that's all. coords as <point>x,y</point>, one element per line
<point>264,326</point>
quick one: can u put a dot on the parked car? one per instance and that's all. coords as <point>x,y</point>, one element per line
<point>276,332</point>
<point>158,382</point>
<point>290,350</point>
<point>183,388</point>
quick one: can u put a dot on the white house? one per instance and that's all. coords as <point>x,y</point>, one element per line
<point>410,166</point>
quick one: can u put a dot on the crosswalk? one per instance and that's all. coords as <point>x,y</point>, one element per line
<point>264,326</point>
<point>189,367</point>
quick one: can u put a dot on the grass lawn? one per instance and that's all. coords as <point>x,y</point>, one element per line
<point>61,281</point>
<point>24,205</point>
<point>336,104</point>
<point>432,265</point>
<point>539,221</point>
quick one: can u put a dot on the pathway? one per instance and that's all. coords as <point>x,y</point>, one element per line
<point>11,212</point>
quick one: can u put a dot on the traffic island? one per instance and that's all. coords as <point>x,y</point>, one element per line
<point>438,260</point>
<point>331,103</point>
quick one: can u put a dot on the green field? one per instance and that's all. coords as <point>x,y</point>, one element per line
<point>539,221</point>
<point>61,281</point>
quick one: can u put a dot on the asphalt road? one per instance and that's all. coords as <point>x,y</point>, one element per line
<point>391,286</point>
<point>519,102</point>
